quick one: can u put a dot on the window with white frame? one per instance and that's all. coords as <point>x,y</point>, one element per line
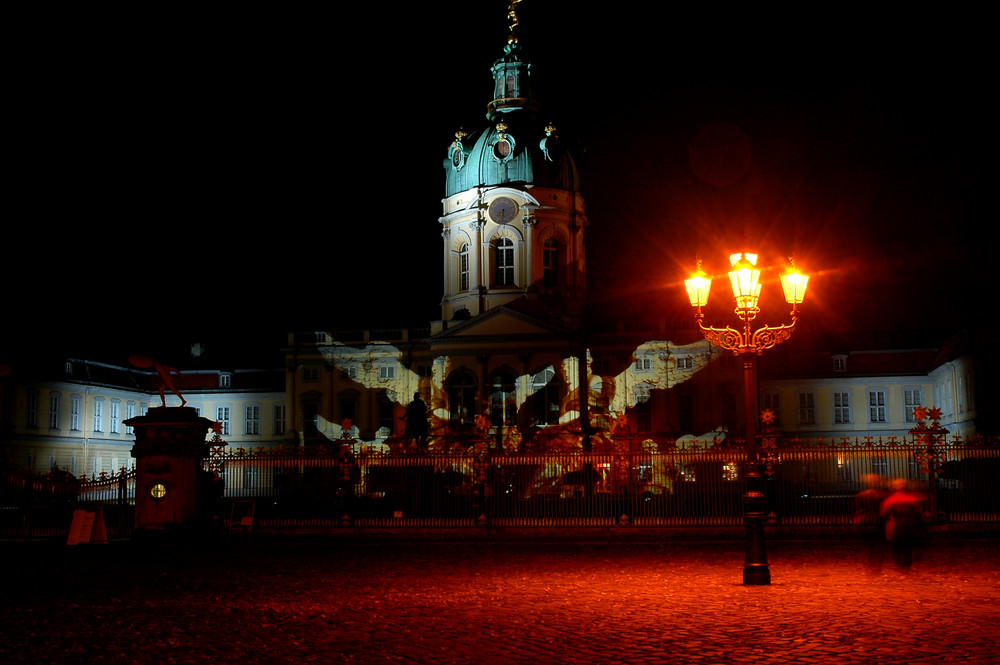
<point>252,419</point>
<point>807,408</point>
<point>839,363</point>
<point>877,406</point>
<point>463,267</point>
<point>98,414</point>
<point>55,404</point>
<point>912,398</point>
<point>386,372</point>
<point>129,414</point>
<point>223,417</point>
<point>115,417</point>
<point>225,380</point>
<point>685,362</point>
<point>505,262</point>
<point>644,364</point>
<point>75,409</point>
<point>279,418</point>
<point>841,407</point>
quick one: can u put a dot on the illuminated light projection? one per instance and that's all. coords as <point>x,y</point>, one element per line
<point>656,365</point>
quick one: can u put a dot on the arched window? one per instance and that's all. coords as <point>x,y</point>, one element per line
<point>505,262</point>
<point>550,262</point>
<point>462,397</point>
<point>545,395</point>
<point>463,267</point>
<point>503,399</point>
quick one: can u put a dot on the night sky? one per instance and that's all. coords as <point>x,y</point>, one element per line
<point>234,176</point>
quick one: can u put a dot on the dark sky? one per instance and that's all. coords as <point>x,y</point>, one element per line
<point>233,176</point>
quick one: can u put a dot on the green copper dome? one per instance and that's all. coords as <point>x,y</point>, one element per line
<point>517,147</point>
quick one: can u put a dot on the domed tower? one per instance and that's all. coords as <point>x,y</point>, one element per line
<point>513,223</point>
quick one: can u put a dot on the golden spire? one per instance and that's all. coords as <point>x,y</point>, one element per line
<point>512,15</point>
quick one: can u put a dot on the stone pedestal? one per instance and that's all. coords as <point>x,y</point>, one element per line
<point>169,449</point>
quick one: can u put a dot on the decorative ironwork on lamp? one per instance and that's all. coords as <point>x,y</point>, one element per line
<point>745,281</point>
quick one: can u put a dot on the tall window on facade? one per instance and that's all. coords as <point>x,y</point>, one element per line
<point>129,414</point>
<point>876,406</point>
<point>912,398</point>
<point>252,424</point>
<point>807,409</point>
<point>841,408</point>
<point>75,409</point>
<point>55,402</point>
<point>550,262</point>
<point>115,417</point>
<point>503,402</point>
<point>279,418</point>
<point>222,416</point>
<point>32,410</point>
<point>98,415</point>
<point>462,397</point>
<point>463,267</point>
<point>545,392</point>
<point>505,262</point>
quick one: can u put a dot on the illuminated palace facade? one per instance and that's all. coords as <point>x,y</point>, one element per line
<point>512,361</point>
<point>512,364</point>
<point>508,359</point>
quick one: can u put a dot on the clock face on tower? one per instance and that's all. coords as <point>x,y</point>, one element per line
<point>502,210</point>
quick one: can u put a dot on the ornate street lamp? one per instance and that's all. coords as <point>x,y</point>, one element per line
<point>749,343</point>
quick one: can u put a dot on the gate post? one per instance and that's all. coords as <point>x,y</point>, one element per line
<point>169,447</point>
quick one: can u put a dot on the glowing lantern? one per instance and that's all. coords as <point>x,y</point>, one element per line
<point>697,287</point>
<point>794,284</point>
<point>745,280</point>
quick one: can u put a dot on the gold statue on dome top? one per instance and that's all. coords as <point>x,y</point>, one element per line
<point>512,15</point>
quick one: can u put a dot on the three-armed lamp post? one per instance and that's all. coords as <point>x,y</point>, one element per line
<point>745,280</point>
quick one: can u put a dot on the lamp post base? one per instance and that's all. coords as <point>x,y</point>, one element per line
<point>755,570</point>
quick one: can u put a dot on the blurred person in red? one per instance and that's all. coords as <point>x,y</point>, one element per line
<point>903,512</point>
<point>868,518</point>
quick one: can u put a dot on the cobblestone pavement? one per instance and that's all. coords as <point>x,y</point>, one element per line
<point>335,601</point>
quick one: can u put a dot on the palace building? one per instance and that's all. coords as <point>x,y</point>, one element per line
<point>516,361</point>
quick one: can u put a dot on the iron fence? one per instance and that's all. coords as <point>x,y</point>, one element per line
<point>806,483</point>
<point>700,486</point>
